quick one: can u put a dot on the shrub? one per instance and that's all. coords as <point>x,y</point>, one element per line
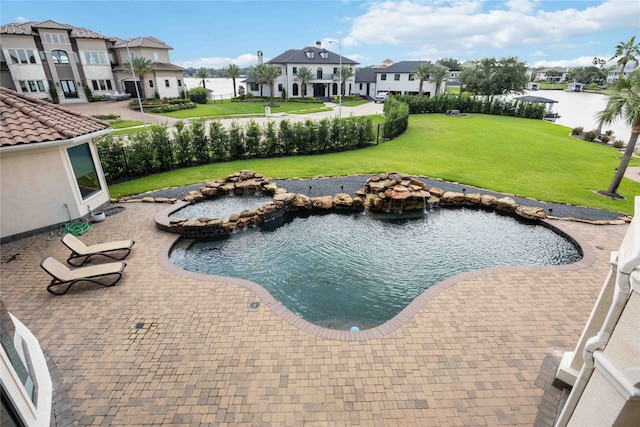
<point>609,132</point>
<point>618,144</point>
<point>577,131</point>
<point>605,139</point>
<point>590,136</point>
<point>199,95</point>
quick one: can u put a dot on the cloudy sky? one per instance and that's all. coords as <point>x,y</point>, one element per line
<point>214,33</point>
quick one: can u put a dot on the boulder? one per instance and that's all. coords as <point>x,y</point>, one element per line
<point>452,198</point>
<point>488,200</point>
<point>473,198</point>
<point>531,212</point>
<point>506,204</point>
<point>148,199</point>
<point>301,201</point>
<point>342,200</point>
<point>324,202</point>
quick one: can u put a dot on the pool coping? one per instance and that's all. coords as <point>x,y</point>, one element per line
<point>405,315</point>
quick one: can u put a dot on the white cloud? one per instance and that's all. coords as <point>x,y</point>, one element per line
<point>464,29</point>
<point>244,60</point>
<point>583,61</point>
<point>21,19</point>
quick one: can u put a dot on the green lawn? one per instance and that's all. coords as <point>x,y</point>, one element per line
<point>531,158</point>
<point>126,124</point>
<point>230,109</point>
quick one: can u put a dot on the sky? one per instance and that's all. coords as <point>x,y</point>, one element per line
<point>216,33</point>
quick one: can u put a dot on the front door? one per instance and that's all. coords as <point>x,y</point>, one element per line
<point>318,90</point>
<point>69,88</point>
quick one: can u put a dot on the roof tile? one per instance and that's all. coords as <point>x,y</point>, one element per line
<point>26,120</point>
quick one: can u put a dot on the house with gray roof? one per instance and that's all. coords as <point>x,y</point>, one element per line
<point>400,78</point>
<point>50,172</point>
<point>323,63</point>
<point>64,63</point>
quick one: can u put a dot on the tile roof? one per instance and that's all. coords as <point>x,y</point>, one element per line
<point>27,120</point>
<point>157,66</point>
<point>148,41</point>
<point>29,29</point>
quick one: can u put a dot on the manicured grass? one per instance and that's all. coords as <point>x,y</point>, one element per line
<point>531,158</point>
<point>126,124</point>
<point>230,109</point>
<point>553,86</point>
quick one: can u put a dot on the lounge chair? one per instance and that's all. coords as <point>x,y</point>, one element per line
<point>117,250</point>
<point>66,277</point>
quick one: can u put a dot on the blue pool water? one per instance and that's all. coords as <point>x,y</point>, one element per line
<point>344,270</point>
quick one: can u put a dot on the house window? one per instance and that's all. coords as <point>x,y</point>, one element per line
<point>155,56</point>
<point>31,86</point>
<point>319,73</point>
<point>309,54</point>
<point>84,170</point>
<point>150,83</point>
<point>59,57</point>
<point>411,77</point>
<point>55,38</point>
<point>101,84</point>
<point>22,56</point>
<point>279,87</point>
<point>294,89</point>
<point>360,86</point>
<point>69,88</point>
<point>383,77</point>
<point>43,57</point>
<point>166,83</point>
<point>96,58</point>
<point>396,77</point>
<point>295,70</point>
<point>255,87</point>
<point>179,83</point>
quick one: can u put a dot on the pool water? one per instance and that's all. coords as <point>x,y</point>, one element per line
<point>222,207</point>
<point>344,270</point>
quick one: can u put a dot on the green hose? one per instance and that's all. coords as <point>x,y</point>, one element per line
<point>76,228</point>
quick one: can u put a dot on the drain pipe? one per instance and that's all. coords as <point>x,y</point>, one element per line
<point>628,259</point>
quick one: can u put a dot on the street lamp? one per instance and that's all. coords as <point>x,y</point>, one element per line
<point>340,85</point>
<point>135,83</point>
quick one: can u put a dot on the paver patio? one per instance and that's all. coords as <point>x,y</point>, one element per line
<point>167,349</point>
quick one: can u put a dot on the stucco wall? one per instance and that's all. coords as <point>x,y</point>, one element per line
<point>36,185</point>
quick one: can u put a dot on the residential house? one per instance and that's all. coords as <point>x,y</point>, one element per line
<point>50,172</point>
<point>550,74</point>
<point>49,60</point>
<point>324,65</point>
<point>365,82</point>
<point>400,78</point>
<point>614,74</point>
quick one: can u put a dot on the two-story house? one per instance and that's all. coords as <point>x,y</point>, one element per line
<point>400,79</point>
<point>323,63</point>
<point>62,62</point>
<point>614,73</point>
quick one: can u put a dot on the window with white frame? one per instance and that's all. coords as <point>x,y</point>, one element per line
<point>150,83</point>
<point>96,58</point>
<point>179,83</point>
<point>59,57</point>
<point>55,38</point>
<point>412,77</point>
<point>383,77</point>
<point>396,77</point>
<point>166,83</point>
<point>294,70</point>
<point>22,56</point>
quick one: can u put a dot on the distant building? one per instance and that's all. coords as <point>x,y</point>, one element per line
<point>614,74</point>
<point>49,59</point>
<point>400,78</point>
<point>575,87</point>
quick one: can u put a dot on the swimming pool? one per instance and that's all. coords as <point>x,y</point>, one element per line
<point>340,271</point>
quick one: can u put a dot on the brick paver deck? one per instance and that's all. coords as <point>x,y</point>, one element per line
<point>166,349</point>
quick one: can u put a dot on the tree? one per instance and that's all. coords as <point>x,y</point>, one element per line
<point>599,62</point>
<point>490,76</point>
<point>204,75</point>
<point>141,66</point>
<point>232,71</point>
<point>305,75</point>
<point>438,75</point>
<point>267,73</point>
<point>450,63</point>
<point>255,73</point>
<point>624,102</point>
<point>626,52</point>
<point>553,76</point>
<point>344,73</point>
<point>422,73</point>
<point>586,75</point>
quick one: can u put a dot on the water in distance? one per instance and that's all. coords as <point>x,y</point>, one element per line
<point>344,270</point>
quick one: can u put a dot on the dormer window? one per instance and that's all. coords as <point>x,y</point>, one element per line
<point>309,54</point>
<point>324,54</point>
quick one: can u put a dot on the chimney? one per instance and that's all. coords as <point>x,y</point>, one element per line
<point>319,44</point>
<point>259,57</point>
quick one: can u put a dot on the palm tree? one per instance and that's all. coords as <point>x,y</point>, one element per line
<point>203,74</point>
<point>344,73</point>
<point>438,75</point>
<point>305,75</point>
<point>255,73</point>
<point>232,71</point>
<point>141,66</point>
<point>422,73</point>
<point>624,102</point>
<point>626,52</point>
<point>267,73</point>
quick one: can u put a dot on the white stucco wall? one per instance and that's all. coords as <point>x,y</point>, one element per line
<point>36,185</point>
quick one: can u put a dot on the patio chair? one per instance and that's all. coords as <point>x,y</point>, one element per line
<point>65,277</point>
<point>117,250</point>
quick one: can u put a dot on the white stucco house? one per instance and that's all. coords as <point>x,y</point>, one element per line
<point>39,59</point>
<point>323,63</point>
<point>614,74</point>
<point>400,78</point>
<point>50,172</point>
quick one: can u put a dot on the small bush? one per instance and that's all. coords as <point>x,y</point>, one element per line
<point>199,95</point>
<point>605,139</point>
<point>106,116</point>
<point>577,131</point>
<point>590,136</point>
<point>618,144</point>
<point>609,132</point>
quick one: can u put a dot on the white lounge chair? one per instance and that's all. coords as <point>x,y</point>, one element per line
<point>117,250</point>
<point>66,277</point>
